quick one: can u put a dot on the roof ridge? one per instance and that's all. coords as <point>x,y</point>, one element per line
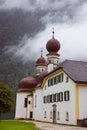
<point>73,61</point>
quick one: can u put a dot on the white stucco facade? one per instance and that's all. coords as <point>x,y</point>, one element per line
<point>21,110</point>
<point>82,102</point>
<point>38,104</point>
<point>63,106</point>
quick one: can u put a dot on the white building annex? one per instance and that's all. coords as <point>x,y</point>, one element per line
<point>57,93</point>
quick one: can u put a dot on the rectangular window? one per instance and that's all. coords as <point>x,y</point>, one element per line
<point>58,116</point>
<point>54,80</point>
<point>48,99</point>
<point>67,116</point>
<point>58,97</point>
<point>25,102</point>
<point>57,79</point>
<point>54,97</point>
<point>61,78</point>
<point>67,79</point>
<point>51,99</point>
<point>45,99</point>
<point>66,96</point>
<point>61,96</point>
<point>44,114</point>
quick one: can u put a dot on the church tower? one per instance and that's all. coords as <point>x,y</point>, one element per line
<point>41,64</point>
<point>52,47</point>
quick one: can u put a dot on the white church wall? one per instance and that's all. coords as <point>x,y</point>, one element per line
<point>40,69</point>
<point>38,104</point>
<point>82,102</point>
<point>30,106</point>
<point>53,62</point>
<point>50,67</point>
<point>53,59</point>
<point>21,111</point>
<point>64,106</point>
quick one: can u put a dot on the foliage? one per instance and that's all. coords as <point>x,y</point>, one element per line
<point>11,72</point>
<point>6,99</point>
<point>17,125</point>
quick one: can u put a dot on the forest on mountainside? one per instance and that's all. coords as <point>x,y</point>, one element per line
<point>11,72</point>
<point>14,25</point>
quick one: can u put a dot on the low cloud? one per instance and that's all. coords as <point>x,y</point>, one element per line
<point>69,18</point>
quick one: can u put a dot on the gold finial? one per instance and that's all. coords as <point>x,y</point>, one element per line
<point>53,32</point>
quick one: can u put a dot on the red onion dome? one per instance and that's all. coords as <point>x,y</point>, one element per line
<point>53,45</point>
<point>27,84</point>
<point>41,61</point>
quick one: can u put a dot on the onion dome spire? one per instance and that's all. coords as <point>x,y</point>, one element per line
<point>53,33</point>
<point>53,45</point>
<point>41,64</point>
<point>41,61</point>
<point>41,52</point>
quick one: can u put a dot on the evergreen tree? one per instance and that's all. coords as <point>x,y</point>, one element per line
<point>6,99</point>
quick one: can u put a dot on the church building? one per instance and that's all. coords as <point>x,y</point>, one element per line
<point>58,91</point>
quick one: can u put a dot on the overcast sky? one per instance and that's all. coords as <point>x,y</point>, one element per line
<point>68,17</point>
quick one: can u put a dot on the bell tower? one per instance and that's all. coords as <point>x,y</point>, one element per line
<point>52,47</point>
<point>41,64</point>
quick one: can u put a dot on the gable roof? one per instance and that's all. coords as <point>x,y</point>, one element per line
<point>76,70</point>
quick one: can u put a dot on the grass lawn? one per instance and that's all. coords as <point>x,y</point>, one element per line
<point>17,125</point>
